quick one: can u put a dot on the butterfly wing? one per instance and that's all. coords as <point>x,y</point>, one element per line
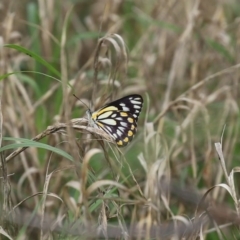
<point>131,103</point>
<point>119,118</point>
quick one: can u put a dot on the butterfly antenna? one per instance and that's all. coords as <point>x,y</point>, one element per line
<point>81,101</point>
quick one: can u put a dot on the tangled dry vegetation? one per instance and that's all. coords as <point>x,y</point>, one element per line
<point>62,179</point>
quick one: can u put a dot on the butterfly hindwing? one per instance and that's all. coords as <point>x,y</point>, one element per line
<point>120,125</point>
<point>119,118</point>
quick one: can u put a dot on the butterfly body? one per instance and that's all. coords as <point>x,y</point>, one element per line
<point>118,118</point>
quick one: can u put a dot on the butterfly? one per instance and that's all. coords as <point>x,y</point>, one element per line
<point>118,118</point>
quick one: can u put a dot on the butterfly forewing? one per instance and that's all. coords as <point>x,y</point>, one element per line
<point>119,118</point>
<point>131,104</point>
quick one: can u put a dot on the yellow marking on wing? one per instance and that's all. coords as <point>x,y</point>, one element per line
<point>120,143</point>
<point>132,127</point>
<point>94,115</point>
<point>130,133</point>
<point>125,139</point>
<point>123,114</point>
<point>100,124</point>
<point>106,109</point>
<point>130,120</point>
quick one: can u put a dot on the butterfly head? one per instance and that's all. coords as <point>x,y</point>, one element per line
<point>91,119</point>
<point>89,113</point>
